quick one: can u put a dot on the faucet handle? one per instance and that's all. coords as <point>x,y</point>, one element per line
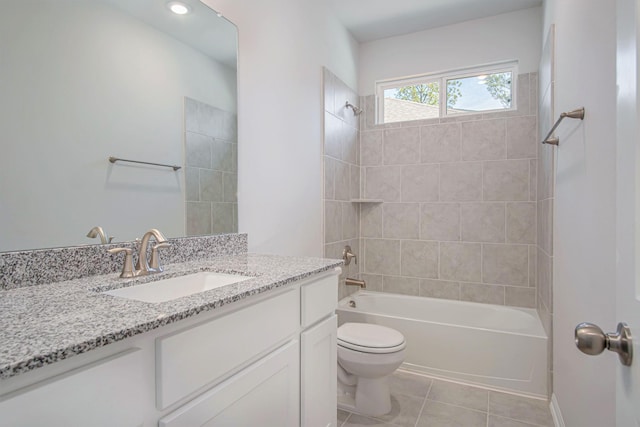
<point>127,267</point>
<point>154,264</point>
<point>347,255</point>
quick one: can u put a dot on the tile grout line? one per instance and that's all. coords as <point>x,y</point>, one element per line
<point>424,402</point>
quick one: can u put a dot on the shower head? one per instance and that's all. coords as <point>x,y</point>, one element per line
<point>356,110</point>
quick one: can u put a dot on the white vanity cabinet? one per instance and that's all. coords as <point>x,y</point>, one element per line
<point>267,360</point>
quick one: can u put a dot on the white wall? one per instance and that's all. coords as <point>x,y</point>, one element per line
<point>585,220</point>
<point>81,82</point>
<point>508,36</point>
<point>283,45</point>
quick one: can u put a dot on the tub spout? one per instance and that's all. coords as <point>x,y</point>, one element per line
<point>355,282</point>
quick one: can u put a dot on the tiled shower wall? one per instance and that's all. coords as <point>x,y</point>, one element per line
<point>211,177</point>
<point>341,177</point>
<point>546,183</point>
<point>458,212</point>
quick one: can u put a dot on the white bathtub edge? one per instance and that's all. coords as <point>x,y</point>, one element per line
<point>556,414</point>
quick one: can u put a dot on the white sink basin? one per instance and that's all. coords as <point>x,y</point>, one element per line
<point>176,287</point>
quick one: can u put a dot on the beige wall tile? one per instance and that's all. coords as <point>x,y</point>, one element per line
<point>192,184</point>
<point>198,150</point>
<point>461,118</point>
<point>505,264</point>
<point>332,221</point>
<point>533,93</point>
<point>482,222</point>
<point>401,285</point>
<point>461,181</point>
<point>211,186</point>
<point>545,225</point>
<point>371,220</point>
<point>230,187</point>
<point>329,90</point>
<point>355,181</point>
<point>350,220</point>
<point>382,256</point>
<point>350,144</point>
<point>342,181</point>
<point>478,292</point>
<point>484,140</point>
<point>371,148</point>
<point>506,180</point>
<point>329,177</point>
<point>332,136</point>
<point>373,281</point>
<point>520,297</point>
<point>419,259</point>
<point>523,97</point>
<point>522,135</point>
<point>401,146</point>
<point>533,180</point>
<point>521,222</point>
<point>440,143</point>
<point>533,266</point>
<point>222,156</point>
<point>545,278</point>
<point>198,215</point>
<point>383,182</point>
<point>221,218</point>
<point>460,261</point>
<point>401,220</point>
<point>440,221</point>
<point>439,289</point>
<point>420,183</point>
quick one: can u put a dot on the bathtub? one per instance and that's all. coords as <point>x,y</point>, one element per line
<point>497,347</point>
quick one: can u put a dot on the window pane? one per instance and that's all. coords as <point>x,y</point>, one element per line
<point>479,93</point>
<point>414,102</point>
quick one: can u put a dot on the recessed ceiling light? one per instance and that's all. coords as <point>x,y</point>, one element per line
<point>178,8</point>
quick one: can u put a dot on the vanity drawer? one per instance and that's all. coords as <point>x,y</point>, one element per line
<point>319,299</point>
<point>191,359</point>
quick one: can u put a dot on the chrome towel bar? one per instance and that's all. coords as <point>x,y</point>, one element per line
<point>116,159</point>
<point>575,114</point>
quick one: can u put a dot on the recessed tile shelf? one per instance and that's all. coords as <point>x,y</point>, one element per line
<point>367,200</point>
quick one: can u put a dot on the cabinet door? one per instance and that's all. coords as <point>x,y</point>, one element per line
<point>265,394</point>
<point>103,394</point>
<point>318,374</point>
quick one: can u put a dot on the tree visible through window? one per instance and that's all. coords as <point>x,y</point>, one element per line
<point>475,91</point>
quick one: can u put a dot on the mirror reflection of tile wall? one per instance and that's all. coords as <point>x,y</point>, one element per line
<point>211,172</point>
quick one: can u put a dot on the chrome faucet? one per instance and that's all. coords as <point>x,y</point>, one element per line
<point>97,231</point>
<point>143,268</point>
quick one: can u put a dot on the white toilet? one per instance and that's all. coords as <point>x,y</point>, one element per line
<point>367,355</point>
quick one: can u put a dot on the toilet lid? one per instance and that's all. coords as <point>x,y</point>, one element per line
<point>369,338</point>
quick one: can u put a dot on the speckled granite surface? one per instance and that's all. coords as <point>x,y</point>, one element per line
<point>42,324</point>
<point>29,268</point>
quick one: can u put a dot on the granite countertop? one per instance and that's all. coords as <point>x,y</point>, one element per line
<point>46,323</point>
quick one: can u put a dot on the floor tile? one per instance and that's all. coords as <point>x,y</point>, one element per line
<point>437,414</point>
<point>409,384</point>
<point>460,395</point>
<point>519,408</point>
<point>342,416</point>
<point>495,421</point>
<point>404,410</point>
<point>356,420</point>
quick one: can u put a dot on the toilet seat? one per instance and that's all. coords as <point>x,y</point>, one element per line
<point>370,338</point>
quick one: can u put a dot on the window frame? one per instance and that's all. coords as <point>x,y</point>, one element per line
<point>442,78</point>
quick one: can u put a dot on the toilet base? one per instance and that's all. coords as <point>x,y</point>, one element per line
<point>371,397</point>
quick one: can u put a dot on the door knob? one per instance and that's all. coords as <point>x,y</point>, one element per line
<point>591,340</point>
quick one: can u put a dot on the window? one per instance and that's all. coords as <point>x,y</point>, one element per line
<point>471,90</point>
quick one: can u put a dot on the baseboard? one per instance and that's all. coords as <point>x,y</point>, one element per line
<point>555,412</point>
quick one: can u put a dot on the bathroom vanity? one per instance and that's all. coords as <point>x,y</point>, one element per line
<point>260,352</point>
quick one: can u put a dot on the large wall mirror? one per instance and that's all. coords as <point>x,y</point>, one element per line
<point>84,80</point>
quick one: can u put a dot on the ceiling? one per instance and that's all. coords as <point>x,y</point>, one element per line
<point>370,20</point>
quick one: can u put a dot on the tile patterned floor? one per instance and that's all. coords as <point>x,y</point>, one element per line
<point>419,401</point>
